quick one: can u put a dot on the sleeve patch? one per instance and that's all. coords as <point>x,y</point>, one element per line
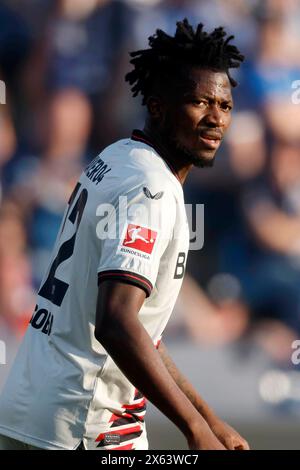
<point>138,241</point>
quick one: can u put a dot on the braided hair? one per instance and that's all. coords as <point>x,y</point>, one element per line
<point>169,56</point>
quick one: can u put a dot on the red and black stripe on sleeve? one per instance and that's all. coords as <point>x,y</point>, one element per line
<point>128,277</point>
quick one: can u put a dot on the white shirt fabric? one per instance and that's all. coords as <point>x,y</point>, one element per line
<point>125,220</point>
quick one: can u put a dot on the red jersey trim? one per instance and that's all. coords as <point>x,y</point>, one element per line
<point>127,276</point>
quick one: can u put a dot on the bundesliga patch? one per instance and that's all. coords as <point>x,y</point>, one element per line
<point>138,241</point>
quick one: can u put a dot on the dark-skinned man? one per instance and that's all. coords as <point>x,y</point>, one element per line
<point>93,350</point>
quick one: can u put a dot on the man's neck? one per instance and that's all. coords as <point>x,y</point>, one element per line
<point>172,158</point>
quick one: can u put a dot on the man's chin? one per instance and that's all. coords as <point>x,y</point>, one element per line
<point>200,161</point>
<point>203,161</point>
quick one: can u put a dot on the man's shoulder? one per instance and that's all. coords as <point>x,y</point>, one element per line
<point>137,159</point>
<point>129,165</point>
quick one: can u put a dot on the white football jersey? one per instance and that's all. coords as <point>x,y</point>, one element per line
<point>125,220</point>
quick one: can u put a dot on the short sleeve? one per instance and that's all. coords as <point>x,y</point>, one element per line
<point>136,233</point>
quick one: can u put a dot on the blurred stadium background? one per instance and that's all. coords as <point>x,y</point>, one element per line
<point>63,63</point>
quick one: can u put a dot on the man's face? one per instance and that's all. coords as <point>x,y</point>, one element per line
<point>197,117</point>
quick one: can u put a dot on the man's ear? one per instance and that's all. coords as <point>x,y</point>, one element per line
<point>156,107</point>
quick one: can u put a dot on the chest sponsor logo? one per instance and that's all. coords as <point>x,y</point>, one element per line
<point>138,241</point>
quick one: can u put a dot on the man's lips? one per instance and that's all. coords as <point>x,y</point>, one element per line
<point>211,140</point>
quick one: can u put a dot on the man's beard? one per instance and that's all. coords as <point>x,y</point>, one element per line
<point>191,158</point>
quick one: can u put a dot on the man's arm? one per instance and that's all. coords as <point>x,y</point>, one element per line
<point>225,433</point>
<point>125,339</point>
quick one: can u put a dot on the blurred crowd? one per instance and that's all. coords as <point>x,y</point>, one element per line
<point>63,63</point>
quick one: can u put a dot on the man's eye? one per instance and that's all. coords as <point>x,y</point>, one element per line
<point>199,103</point>
<point>226,108</point>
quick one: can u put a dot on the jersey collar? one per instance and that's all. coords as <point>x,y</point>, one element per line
<point>140,136</point>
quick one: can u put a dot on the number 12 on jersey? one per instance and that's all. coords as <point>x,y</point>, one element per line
<point>53,288</point>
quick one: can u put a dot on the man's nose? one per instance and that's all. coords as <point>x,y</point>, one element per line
<point>214,116</point>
